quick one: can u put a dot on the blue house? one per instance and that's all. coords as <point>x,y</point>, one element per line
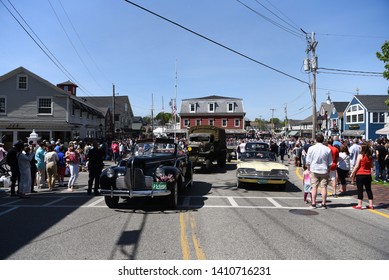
<point>364,115</point>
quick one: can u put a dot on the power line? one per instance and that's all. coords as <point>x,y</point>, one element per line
<point>56,62</point>
<point>290,31</point>
<point>352,35</point>
<point>216,43</point>
<point>351,71</point>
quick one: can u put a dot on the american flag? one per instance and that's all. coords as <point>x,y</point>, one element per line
<point>173,105</point>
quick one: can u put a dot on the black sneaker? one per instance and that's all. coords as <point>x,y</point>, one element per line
<point>323,206</point>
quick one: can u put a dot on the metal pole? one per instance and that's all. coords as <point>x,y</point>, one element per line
<point>113,111</point>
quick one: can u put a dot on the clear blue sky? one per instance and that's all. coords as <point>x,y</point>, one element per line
<point>138,52</point>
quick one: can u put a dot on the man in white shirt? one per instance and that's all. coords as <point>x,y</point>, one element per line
<point>318,161</point>
<point>354,152</point>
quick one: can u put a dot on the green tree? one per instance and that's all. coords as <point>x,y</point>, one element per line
<point>384,56</point>
<point>163,117</point>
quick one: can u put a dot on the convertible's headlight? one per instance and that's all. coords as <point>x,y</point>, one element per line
<point>110,173</point>
<point>246,170</point>
<point>159,172</point>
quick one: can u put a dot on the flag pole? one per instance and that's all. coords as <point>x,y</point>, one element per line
<point>175,108</point>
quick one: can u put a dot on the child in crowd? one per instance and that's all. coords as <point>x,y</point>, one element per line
<point>307,184</point>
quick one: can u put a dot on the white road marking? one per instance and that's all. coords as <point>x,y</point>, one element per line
<point>275,203</point>
<point>9,210</point>
<point>232,201</point>
<point>94,203</point>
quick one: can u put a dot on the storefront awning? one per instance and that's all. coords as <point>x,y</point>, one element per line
<point>355,133</point>
<point>293,133</point>
<point>384,130</point>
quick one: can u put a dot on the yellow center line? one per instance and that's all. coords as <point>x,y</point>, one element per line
<point>184,219</point>
<point>199,252</point>
<point>184,240</point>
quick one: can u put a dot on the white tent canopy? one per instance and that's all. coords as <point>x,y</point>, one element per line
<point>384,130</point>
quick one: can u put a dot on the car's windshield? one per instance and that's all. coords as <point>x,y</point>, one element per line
<point>263,156</point>
<point>153,148</point>
<point>197,137</point>
<point>256,146</point>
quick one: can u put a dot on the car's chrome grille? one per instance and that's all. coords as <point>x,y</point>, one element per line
<point>120,182</point>
<point>262,173</point>
<point>142,182</point>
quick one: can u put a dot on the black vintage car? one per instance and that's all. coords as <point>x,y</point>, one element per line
<point>158,167</point>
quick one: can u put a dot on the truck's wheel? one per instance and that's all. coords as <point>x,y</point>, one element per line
<point>173,197</point>
<point>221,162</point>
<point>112,202</point>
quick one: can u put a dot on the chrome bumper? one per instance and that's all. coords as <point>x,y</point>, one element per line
<point>130,194</point>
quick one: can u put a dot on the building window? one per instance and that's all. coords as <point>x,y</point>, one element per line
<point>230,107</point>
<point>224,122</point>
<point>211,107</point>
<point>3,105</point>
<point>186,122</point>
<point>211,122</point>
<point>22,82</point>
<point>237,122</point>
<point>81,113</point>
<point>45,106</point>
<point>198,121</point>
<point>73,110</point>
<point>192,107</point>
<point>378,117</point>
<point>355,114</point>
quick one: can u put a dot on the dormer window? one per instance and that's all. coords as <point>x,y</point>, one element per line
<point>211,107</point>
<point>192,107</point>
<point>230,107</point>
<point>22,82</point>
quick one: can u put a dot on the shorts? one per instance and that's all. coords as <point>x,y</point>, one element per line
<point>333,175</point>
<point>307,188</point>
<point>319,180</point>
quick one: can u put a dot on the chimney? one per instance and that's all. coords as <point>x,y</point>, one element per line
<point>69,87</point>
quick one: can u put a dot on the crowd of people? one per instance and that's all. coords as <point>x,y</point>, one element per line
<point>334,162</point>
<point>325,162</point>
<point>45,164</point>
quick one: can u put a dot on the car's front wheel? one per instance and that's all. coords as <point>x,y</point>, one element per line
<point>173,197</point>
<point>111,202</point>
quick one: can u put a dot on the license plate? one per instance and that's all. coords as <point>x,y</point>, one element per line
<point>159,185</point>
<point>262,181</point>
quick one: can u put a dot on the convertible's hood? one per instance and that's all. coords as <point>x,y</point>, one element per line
<point>262,165</point>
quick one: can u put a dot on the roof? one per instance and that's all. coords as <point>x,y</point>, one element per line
<point>105,102</point>
<point>220,106</point>
<point>340,106</point>
<point>373,102</point>
<point>212,97</point>
<point>78,101</point>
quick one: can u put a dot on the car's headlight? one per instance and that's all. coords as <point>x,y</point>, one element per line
<point>110,173</point>
<point>159,172</point>
<point>279,172</point>
<point>246,170</point>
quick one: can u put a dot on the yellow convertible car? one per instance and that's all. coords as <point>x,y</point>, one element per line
<point>261,167</point>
